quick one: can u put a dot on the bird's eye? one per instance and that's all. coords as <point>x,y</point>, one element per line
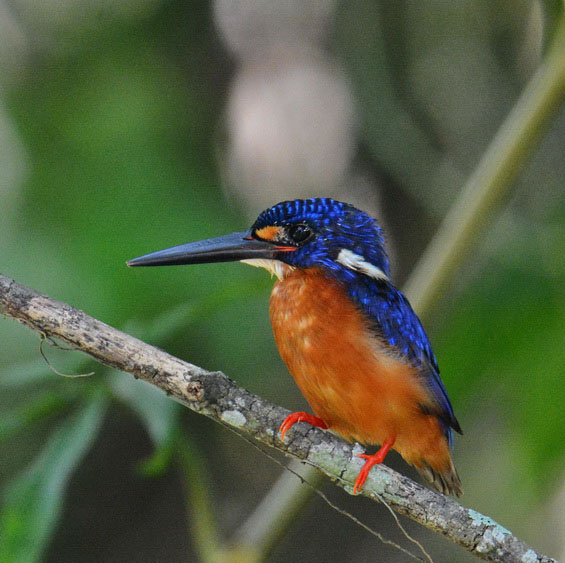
<point>299,233</point>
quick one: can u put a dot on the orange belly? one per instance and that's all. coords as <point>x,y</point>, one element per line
<point>350,380</point>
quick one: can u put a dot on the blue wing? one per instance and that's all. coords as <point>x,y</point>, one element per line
<point>394,320</point>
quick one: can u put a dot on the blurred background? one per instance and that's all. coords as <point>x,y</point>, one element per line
<point>133,125</point>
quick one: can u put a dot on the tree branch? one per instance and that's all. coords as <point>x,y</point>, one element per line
<point>215,395</point>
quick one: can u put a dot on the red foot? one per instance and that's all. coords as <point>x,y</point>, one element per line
<point>371,460</point>
<point>295,417</point>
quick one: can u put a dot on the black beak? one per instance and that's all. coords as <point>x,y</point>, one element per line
<point>229,248</point>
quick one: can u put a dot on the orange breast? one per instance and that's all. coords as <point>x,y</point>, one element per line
<point>353,383</point>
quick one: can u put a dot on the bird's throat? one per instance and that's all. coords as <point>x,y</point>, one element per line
<point>274,267</point>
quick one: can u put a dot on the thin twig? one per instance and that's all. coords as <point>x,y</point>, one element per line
<point>405,532</point>
<point>43,338</point>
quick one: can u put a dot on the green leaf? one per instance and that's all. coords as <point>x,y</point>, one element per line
<point>160,459</point>
<point>34,410</point>
<point>32,503</point>
<point>157,411</point>
<point>552,11</point>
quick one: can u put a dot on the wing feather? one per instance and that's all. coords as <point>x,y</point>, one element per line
<point>392,318</point>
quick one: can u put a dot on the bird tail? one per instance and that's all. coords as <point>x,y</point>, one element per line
<point>445,480</point>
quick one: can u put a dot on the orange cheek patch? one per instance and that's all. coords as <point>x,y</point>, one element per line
<point>269,233</point>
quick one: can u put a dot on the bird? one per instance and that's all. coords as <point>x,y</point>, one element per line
<point>350,339</point>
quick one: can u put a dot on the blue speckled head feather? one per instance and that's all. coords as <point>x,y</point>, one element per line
<point>337,226</point>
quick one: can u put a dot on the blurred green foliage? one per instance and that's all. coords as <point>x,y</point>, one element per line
<point>34,500</point>
<point>121,137</point>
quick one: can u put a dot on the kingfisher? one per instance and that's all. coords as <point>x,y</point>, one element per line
<point>349,337</point>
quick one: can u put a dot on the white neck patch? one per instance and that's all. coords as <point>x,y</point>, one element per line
<point>276,267</point>
<point>357,263</point>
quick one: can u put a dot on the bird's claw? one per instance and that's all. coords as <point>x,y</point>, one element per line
<point>295,417</point>
<point>370,460</point>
